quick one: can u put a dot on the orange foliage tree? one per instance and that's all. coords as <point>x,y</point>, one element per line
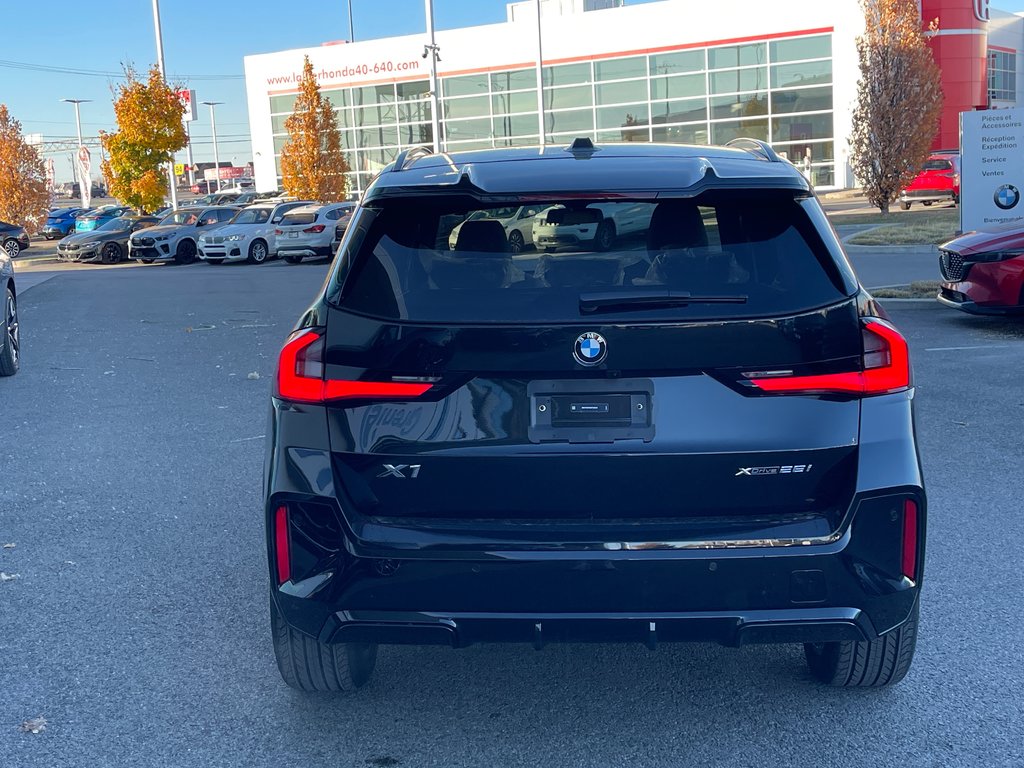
<point>24,197</point>
<point>313,166</point>
<point>899,98</point>
<point>149,131</point>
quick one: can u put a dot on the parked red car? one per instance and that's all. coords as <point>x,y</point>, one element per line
<point>938,181</point>
<point>983,272</point>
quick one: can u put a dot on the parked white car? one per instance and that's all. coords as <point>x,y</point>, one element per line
<point>517,221</point>
<point>175,237</point>
<point>595,226</point>
<point>312,231</point>
<point>250,236</point>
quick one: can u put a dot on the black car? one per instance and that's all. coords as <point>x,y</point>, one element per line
<point>13,239</point>
<point>107,244</point>
<point>702,433</point>
<point>10,342</point>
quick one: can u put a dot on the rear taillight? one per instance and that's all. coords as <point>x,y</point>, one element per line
<point>910,539</point>
<point>300,376</point>
<point>315,229</point>
<point>886,368</point>
<point>278,231</point>
<point>282,552</point>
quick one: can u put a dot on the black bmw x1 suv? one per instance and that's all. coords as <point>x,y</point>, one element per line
<point>680,418</point>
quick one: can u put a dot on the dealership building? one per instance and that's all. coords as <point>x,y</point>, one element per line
<point>677,71</point>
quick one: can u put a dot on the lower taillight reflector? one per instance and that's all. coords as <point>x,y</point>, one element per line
<point>282,553</point>
<point>910,539</point>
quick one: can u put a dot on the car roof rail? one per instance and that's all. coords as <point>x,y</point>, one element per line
<point>756,147</point>
<point>407,156</point>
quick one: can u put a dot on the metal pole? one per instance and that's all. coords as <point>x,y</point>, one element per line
<point>81,182</point>
<point>163,73</point>
<point>540,81</point>
<point>216,153</point>
<point>351,30</point>
<point>188,147</point>
<point>435,110</point>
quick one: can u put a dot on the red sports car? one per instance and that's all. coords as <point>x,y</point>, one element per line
<point>983,272</point>
<point>938,181</point>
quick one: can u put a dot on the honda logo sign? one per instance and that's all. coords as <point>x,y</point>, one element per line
<point>982,10</point>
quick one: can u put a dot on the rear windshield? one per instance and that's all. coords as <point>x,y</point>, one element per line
<point>936,164</point>
<point>299,217</point>
<point>546,262</point>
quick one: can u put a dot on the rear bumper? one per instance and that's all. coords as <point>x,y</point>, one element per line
<point>364,579</point>
<point>305,251</point>
<point>539,629</point>
<point>923,195</point>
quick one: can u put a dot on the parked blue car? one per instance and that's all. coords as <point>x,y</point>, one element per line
<point>60,222</point>
<point>87,222</point>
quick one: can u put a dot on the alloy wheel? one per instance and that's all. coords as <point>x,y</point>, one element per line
<point>13,248</point>
<point>13,337</point>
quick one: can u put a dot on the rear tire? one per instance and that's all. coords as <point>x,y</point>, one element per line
<point>906,206</point>
<point>866,664</point>
<point>309,665</point>
<point>927,202</point>
<point>292,258</point>
<point>605,236</point>
<point>10,341</point>
<point>13,248</point>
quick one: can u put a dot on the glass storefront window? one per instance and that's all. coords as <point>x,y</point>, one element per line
<point>283,103</point>
<point>640,133</point>
<point>574,120</point>
<point>681,134</point>
<point>626,115</point>
<point>382,136</point>
<point>454,130</point>
<point>682,111</point>
<point>277,123</point>
<point>515,80</point>
<point>674,63</point>
<point>722,133</point>
<point>515,125</point>
<point>737,56</point>
<point>745,105</point>
<point>505,103</point>
<point>567,74</point>
<point>802,100</point>
<point>802,127</point>
<point>566,98</point>
<point>338,96</point>
<point>279,142</point>
<point>414,111</point>
<point>467,85</point>
<point>472,107</point>
<point>794,49</point>
<point>417,90</point>
<point>420,133</point>
<point>621,93</point>
<point>733,80</point>
<point>804,73</point>
<point>820,151</point>
<point>682,86</point>
<point>619,69</point>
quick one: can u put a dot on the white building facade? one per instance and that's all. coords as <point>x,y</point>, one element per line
<point>678,71</point>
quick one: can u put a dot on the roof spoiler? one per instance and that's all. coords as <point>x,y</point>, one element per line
<point>756,147</point>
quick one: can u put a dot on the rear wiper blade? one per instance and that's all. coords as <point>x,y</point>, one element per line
<point>625,301</point>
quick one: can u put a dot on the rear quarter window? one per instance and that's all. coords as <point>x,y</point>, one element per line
<point>437,263</point>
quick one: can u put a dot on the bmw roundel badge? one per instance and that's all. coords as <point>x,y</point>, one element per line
<point>590,349</point>
<point>1007,197</point>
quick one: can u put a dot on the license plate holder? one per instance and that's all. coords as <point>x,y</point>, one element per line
<point>576,411</point>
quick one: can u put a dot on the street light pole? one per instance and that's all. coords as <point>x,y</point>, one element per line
<point>431,50</point>
<point>213,125</point>
<point>540,80</point>
<point>163,74</point>
<point>74,166</point>
<point>351,30</point>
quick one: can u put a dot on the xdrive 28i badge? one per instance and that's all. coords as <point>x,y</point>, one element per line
<point>590,348</point>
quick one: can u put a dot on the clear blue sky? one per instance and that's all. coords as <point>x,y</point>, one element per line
<point>201,38</point>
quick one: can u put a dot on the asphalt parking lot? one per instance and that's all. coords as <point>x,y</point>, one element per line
<point>130,462</point>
